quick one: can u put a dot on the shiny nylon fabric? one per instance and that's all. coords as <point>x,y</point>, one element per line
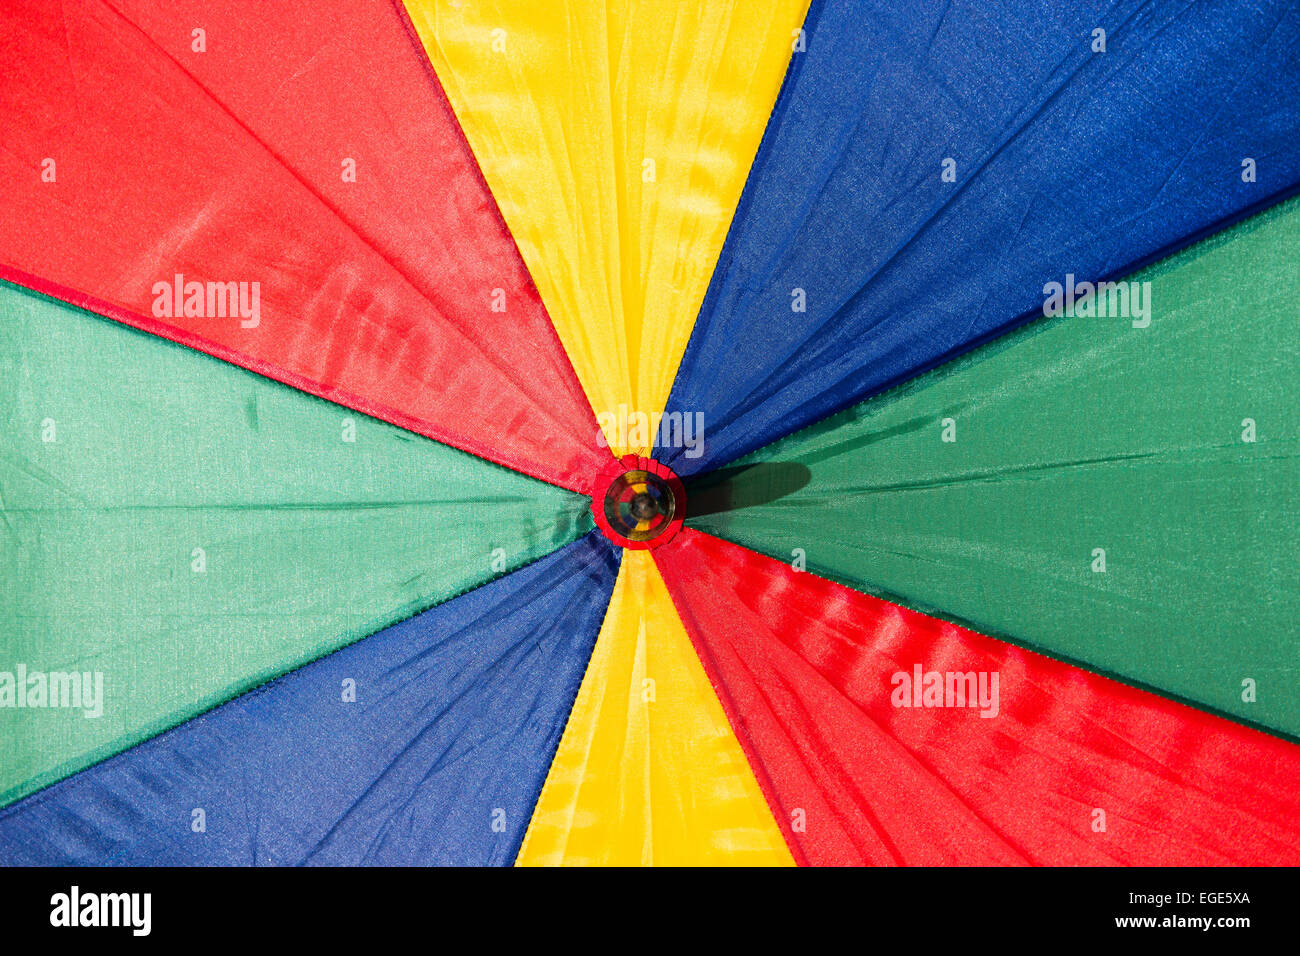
<point>1066,161</point>
<point>191,530</point>
<point>1072,437</point>
<point>400,294</point>
<point>565,103</point>
<point>636,780</point>
<point>438,760</point>
<point>648,771</point>
<point>806,669</point>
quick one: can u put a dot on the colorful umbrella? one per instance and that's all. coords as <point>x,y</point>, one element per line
<point>467,431</point>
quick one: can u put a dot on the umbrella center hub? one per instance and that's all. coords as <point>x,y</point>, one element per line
<point>639,505</point>
<point>638,502</point>
<point>645,506</point>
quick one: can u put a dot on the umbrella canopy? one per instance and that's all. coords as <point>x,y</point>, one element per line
<point>458,431</point>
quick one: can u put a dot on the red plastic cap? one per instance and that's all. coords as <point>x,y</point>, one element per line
<point>638,502</point>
